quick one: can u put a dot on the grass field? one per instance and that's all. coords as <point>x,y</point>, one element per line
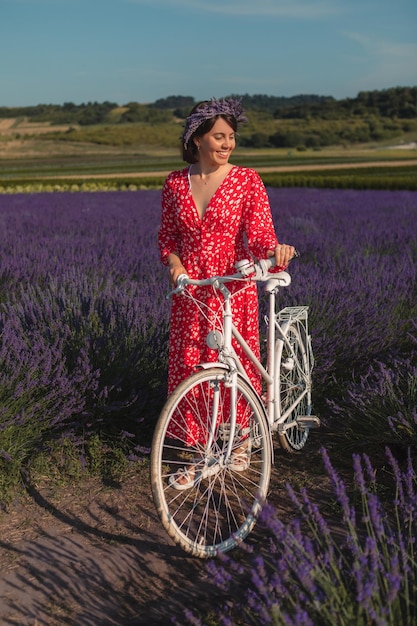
<point>25,154</point>
<point>123,170</point>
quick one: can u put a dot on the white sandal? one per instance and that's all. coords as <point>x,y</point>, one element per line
<point>193,474</point>
<point>240,459</point>
<point>188,474</point>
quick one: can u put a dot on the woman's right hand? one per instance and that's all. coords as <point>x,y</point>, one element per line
<point>175,269</point>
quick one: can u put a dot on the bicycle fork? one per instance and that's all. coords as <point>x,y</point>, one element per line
<point>231,383</point>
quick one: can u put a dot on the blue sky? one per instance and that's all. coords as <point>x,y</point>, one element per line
<point>56,51</point>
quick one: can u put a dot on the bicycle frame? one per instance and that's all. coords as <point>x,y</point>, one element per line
<point>280,325</point>
<point>229,357</point>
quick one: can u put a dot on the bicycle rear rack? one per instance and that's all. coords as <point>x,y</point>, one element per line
<point>293,314</point>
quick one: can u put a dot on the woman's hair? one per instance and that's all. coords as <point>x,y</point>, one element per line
<point>202,119</point>
<point>189,153</point>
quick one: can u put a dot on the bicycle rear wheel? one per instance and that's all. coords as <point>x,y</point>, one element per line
<point>293,358</point>
<point>220,507</point>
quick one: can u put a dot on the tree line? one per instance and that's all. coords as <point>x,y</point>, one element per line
<point>303,121</point>
<point>396,102</point>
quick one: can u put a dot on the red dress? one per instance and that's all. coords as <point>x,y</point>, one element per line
<point>236,225</point>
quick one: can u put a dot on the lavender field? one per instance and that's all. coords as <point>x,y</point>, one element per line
<point>84,328</point>
<point>84,319</point>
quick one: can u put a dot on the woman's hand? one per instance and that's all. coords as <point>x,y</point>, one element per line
<point>283,254</point>
<point>175,269</point>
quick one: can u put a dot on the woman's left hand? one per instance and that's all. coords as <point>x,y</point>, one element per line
<point>283,254</point>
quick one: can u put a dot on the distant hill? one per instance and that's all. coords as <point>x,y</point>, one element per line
<point>301,121</point>
<point>398,102</point>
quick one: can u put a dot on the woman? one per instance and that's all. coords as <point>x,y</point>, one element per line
<point>213,215</point>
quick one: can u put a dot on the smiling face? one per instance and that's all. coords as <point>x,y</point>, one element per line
<point>216,146</point>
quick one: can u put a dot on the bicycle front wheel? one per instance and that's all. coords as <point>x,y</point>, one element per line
<point>294,385</point>
<point>223,495</point>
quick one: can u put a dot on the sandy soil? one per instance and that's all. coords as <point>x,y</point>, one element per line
<point>93,555</point>
<point>96,555</point>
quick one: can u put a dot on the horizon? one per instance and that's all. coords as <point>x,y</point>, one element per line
<point>118,104</point>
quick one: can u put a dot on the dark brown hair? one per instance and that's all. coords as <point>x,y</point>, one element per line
<point>190,152</point>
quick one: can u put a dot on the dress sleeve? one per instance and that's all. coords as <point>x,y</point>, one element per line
<point>168,235</point>
<point>259,226</point>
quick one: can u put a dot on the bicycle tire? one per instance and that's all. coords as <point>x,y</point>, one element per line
<point>220,509</point>
<point>294,375</point>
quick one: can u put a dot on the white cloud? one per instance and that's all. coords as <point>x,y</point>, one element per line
<point>384,62</point>
<point>383,47</point>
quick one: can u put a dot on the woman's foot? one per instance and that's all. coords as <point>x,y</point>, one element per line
<point>189,476</point>
<point>184,478</point>
<point>240,458</point>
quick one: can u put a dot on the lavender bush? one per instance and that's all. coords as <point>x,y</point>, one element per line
<point>358,273</point>
<point>84,320</point>
<point>308,574</point>
<point>380,406</point>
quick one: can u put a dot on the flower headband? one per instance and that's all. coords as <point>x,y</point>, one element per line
<point>227,106</point>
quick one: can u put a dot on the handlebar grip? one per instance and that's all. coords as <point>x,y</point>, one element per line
<point>180,280</point>
<point>181,283</point>
<point>271,260</point>
<point>264,265</point>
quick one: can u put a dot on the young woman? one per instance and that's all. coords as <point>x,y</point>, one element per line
<point>213,215</point>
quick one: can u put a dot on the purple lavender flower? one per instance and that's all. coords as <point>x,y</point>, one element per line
<point>302,577</point>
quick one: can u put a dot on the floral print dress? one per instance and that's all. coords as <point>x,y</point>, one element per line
<point>236,225</point>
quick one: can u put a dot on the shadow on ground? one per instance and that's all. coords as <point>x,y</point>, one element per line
<point>97,555</point>
<point>96,560</point>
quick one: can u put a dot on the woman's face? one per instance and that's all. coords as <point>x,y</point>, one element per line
<point>216,146</point>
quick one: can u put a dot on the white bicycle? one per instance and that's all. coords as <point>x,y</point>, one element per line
<point>230,466</point>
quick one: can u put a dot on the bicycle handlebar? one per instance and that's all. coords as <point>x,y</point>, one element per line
<point>250,270</point>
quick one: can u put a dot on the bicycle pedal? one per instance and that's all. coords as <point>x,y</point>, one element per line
<point>308,421</point>
<point>211,467</point>
<point>224,432</point>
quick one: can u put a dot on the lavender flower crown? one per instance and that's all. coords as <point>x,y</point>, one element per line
<point>227,106</point>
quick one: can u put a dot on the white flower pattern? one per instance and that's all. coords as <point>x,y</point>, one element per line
<point>236,225</point>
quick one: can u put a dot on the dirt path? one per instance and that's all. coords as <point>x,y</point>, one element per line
<point>95,555</point>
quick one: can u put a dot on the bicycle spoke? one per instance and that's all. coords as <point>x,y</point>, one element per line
<point>293,368</point>
<point>220,505</point>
